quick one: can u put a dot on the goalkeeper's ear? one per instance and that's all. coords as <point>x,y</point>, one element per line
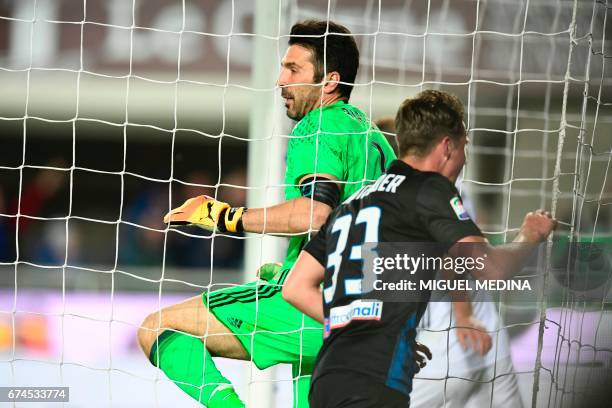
<point>331,82</point>
<point>321,188</point>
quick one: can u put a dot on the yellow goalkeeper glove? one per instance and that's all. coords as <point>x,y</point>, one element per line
<point>207,213</point>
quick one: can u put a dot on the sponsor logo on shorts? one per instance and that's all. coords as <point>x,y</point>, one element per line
<point>359,309</point>
<point>458,208</point>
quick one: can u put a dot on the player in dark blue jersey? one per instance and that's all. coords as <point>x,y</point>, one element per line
<point>369,355</point>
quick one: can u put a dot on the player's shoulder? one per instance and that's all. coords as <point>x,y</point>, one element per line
<point>351,205</point>
<point>333,125</point>
<point>437,193</point>
<point>425,187</point>
<point>433,182</point>
<point>342,118</point>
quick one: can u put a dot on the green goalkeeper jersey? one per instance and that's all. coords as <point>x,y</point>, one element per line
<point>339,140</point>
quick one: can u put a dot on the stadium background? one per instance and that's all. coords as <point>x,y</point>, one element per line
<point>79,144</point>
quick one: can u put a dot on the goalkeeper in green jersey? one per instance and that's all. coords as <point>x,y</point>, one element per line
<point>333,151</point>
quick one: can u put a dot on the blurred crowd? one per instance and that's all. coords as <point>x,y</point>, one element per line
<point>39,234</point>
<point>47,195</point>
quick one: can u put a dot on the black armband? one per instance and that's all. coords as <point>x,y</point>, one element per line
<point>321,189</point>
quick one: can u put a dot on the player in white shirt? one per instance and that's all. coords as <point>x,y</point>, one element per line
<point>472,364</point>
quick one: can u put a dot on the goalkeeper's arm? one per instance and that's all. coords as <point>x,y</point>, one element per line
<point>295,216</point>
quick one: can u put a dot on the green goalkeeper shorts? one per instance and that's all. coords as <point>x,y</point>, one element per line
<point>270,329</point>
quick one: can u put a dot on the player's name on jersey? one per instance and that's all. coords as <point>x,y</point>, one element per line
<point>453,284</point>
<point>387,183</point>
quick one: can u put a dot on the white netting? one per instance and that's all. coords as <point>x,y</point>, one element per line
<point>113,112</point>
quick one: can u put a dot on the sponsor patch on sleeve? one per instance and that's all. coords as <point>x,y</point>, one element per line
<point>458,208</point>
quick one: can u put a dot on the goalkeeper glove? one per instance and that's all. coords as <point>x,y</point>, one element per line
<point>269,271</point>
<point>207,213</point>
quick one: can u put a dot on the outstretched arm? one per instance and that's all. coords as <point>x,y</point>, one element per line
<point>296,216</point>
<point>502,261</point>
<point>320,194</point>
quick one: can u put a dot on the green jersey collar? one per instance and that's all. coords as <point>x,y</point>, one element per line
<point>313,112</point>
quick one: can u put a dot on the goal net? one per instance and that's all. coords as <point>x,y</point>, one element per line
<point>113,112</point>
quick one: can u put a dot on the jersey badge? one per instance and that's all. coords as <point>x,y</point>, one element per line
<point>458,208</point>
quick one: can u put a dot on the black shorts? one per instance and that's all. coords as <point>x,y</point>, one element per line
<point>339,390</point>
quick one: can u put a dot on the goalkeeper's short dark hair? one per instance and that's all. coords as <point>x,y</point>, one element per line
<point>333,48</point>
<point>423,120</point>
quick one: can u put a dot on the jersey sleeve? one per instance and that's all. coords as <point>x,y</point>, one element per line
<point>319,153</point>
<point>317,246</point>
<point>440,209</point>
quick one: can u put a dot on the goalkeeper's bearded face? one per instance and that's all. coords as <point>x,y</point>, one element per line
<point>297,81</point>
